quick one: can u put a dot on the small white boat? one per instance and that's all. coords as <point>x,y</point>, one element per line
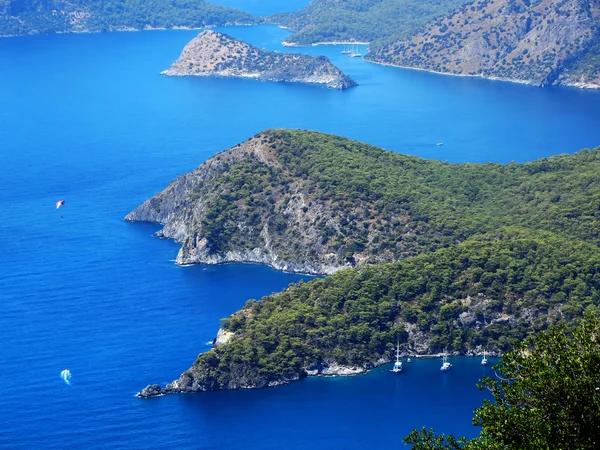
<point>408,360</point>
<point>445,364</point>
<point>439,144</point>
<point>354,54</point>
<point>398,364</point>
<point>484,360</point>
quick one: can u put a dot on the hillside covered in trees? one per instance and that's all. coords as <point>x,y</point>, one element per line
<point>18,17</point>
<point>315,203</point>
<point>540,42</point>
<point>485,254</point>
<point>360,20</point>
<point>486,292</point>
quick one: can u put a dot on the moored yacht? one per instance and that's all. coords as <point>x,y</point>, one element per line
<point>398,364</point>
<point>445,364</point>
<point>484,360</point>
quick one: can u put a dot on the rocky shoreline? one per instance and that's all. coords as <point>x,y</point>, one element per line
<point>578,85</point>
<point>186,385</point>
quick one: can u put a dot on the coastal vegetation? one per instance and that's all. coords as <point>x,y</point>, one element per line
<point>546,395</point>
<point>18,17</point>
<point>360,20</point>
<point>485,254</point>
<point>488,292</point>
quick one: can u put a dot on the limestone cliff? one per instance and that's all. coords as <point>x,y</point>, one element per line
<point>272,220</point>
<point>539,42</point>
<point>217,54</point>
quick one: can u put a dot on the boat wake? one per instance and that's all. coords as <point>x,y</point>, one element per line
<point>66,376</point>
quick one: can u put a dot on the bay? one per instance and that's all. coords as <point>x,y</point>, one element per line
<point>89,119</point>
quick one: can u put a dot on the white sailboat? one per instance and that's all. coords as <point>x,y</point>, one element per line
<point>355,54</point>
<point>445,364</point>
<point>484,360</point>
<point>398,364</point>
<point>346,51</point>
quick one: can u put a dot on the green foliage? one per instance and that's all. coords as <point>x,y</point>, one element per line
<point>546,395</point>
<point>425,439</point>
<point>354,317</point>
<point>586,67</point>
<point>52,16</point>
<point>386,206</point>
<point>360,20</point>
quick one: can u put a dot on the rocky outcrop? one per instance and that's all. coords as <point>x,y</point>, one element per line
<point>538,42</point>
<point>217,54</point>
<point>223,337</point>
<point>194,382</point>
<point>290,240</point>
<point>152,390</point>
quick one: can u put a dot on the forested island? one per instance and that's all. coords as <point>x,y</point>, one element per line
<point>19,17</point>
<point>467,256</point>
<point>217,54</point>
<point>359,20</point>
<point>539,42</point>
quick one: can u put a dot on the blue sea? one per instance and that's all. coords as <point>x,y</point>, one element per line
<point>87,118</point>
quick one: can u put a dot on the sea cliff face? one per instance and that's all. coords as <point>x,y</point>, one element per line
<point>275,221</point>
<point>538,42</point>
<point>217,54</point>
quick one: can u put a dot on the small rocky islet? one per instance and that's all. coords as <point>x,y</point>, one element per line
<point>216,54</point>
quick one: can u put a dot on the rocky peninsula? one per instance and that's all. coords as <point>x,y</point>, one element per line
<point>314,203</point>
<point>479,295</point>
<point>216,54</point>
<point>311,202</point>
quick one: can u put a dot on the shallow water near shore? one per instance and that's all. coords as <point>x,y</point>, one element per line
<point>88,118</point>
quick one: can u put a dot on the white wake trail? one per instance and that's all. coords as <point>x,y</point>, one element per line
<point>66,376</point>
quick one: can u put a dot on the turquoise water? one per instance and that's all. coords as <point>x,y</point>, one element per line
<point>89,119</point>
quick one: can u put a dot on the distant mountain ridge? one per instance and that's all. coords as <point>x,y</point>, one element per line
<point>539,42</point>
<point>217,54</point>
<point>21,17</point>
